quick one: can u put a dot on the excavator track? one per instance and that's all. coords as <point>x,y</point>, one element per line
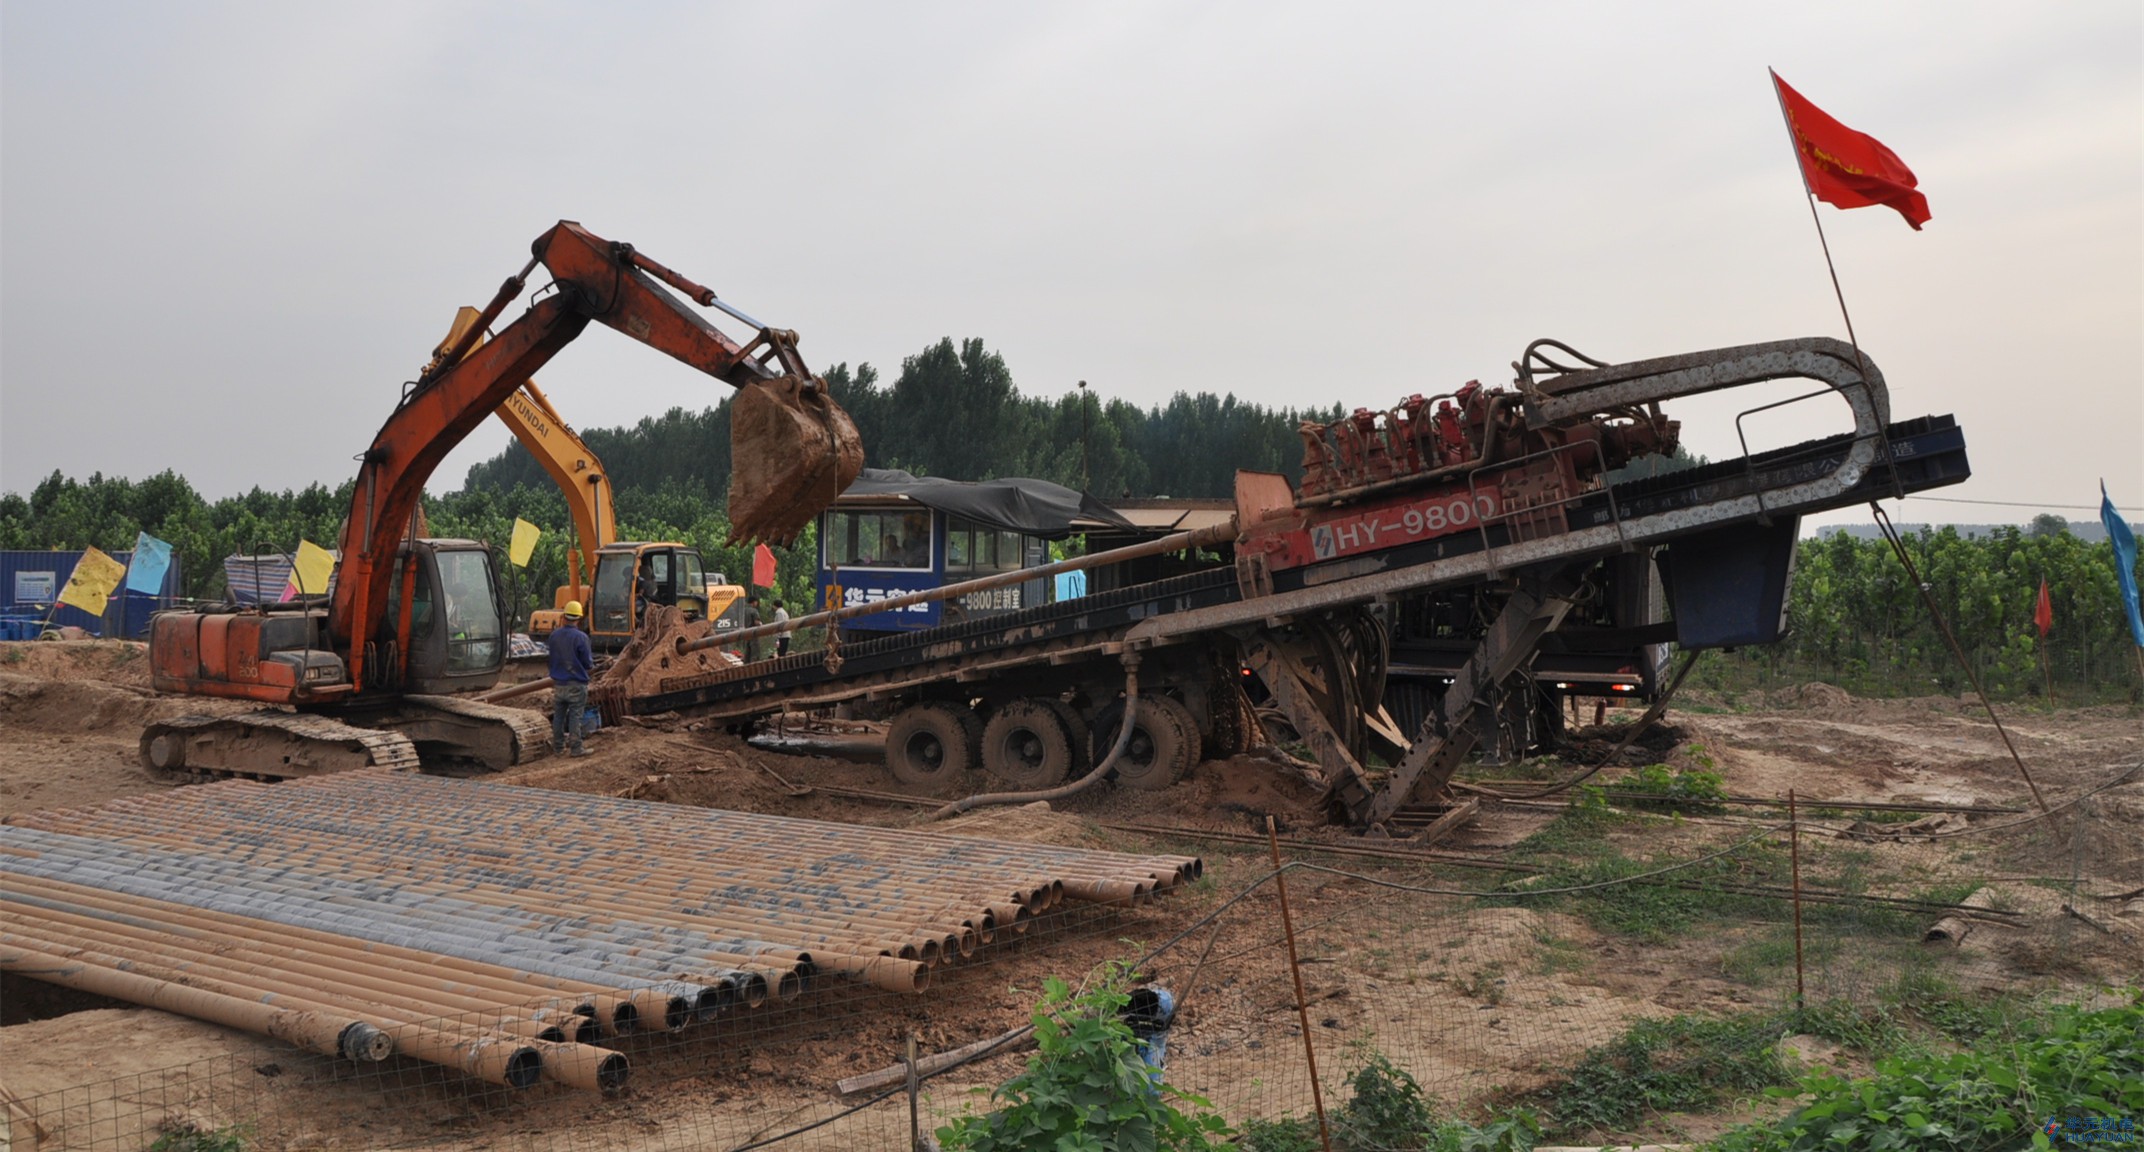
<point>268,745</point>
<point>527,735</point>
<point>271,745</point>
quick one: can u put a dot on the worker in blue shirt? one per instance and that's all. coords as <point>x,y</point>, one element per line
<point>571,661</point>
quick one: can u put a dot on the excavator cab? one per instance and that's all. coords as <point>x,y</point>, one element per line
<point>457,621</point>
<point>630,576</point>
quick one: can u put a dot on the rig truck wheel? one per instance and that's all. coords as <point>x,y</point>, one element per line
<point>929,748</point>
<point>1164,742</point>
<point>1026,745</point>
<point>1078,732</point>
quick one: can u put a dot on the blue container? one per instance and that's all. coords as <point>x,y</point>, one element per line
<point>30,582</point>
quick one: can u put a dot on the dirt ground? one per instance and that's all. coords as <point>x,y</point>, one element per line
<point>1476,1001</point>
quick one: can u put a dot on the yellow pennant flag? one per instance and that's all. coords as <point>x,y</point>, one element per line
<point>95,575</point>
<point>312,569</point>
<point>523,543</point>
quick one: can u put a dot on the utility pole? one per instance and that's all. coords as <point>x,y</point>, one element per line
<point>1086,470</point>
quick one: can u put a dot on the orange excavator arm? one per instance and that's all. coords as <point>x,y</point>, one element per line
<point>793,448</point>
<point>562,454</point>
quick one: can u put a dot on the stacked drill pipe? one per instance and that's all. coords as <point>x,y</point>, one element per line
<point>876,884</point>
<point>501,930</point>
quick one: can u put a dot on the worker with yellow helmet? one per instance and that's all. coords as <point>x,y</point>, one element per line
<point>571,662</point>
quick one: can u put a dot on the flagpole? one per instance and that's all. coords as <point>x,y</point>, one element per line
<point>1786,121</point>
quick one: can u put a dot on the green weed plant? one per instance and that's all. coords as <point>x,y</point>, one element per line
<point>1085,1089</point>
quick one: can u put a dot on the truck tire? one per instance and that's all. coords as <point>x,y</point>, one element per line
<point>1025,745</point>
<point>929,748</point>
<point>1162,744</point>
<point>1078,732</point>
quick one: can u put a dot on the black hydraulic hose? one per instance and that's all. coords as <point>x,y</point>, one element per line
<point>1101,770</point>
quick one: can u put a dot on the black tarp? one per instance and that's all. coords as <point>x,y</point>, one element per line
<point>1014,504</point>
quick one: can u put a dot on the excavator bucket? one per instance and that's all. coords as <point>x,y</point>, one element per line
<point>792,450</point>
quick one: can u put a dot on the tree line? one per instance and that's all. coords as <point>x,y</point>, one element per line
<point>1857,621</point>
<point>954,411</point>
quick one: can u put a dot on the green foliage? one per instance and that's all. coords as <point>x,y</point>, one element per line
<point>1288,1134</point>
<point>2076,1062</point>
<point>1650,910</point>
<point>1385,1108</point>
<point>1579,828</point>
<point>1874,1028</point>
<point>1858,622</point>
<point>1386,1111</point>
<point>1085,1089</point>
<point>1659,787</point>
<point>1660,1065</point>
<point>186,1137</point>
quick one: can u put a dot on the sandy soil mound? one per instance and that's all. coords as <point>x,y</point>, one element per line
<point>1235,794</point>
<point>1027,824</point>
<point>112,661</point>
<point>83,705</point>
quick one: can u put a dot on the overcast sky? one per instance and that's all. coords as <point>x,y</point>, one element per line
<point>228,233</point>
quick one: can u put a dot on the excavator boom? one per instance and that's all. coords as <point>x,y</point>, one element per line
<point>411,618</point>
<point>675,570</point>
<point>563,456</point>
<point>797,448</point>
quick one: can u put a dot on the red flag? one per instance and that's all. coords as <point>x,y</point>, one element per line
<point>1846,168</point>
<point>763,566</point>
<point>2043,613</point>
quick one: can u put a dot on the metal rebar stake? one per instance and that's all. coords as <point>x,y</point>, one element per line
<point>1302,1008</point>
<point>1794,850</point>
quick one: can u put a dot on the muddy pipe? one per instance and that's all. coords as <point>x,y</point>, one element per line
<point>486,1055</point>
<point>1101,770</point>
<point>622,1009</point>
<point>313,1031</point>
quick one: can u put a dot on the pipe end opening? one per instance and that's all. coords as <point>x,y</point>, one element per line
<point>524,1068</point>
<point>361,1041</point>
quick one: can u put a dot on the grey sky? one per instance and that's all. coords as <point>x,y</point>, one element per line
<point>229,232</point>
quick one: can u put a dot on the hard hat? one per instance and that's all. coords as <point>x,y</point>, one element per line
<point>573,609</point>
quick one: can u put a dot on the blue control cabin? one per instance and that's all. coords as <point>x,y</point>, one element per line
<point>893,533</point>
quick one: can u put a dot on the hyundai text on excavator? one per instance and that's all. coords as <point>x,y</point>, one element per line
<point>365,672</point>
<point>601,572</point>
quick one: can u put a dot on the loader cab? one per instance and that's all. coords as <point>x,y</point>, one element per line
<point>630,575</point>
<point>457,620</point>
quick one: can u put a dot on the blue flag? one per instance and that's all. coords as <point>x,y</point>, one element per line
<point>152,558</point>
<point>1071,585</point>
<point>2125,560</point>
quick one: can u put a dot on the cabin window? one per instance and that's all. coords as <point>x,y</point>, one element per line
<point>973,550</point>
<point>878,539</point>
<point>471,615</point>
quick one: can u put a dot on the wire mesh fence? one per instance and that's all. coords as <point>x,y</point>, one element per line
<point>1622,968</point>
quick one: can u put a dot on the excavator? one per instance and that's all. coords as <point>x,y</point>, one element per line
<point>601,572</point>
<point>368,675</point>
